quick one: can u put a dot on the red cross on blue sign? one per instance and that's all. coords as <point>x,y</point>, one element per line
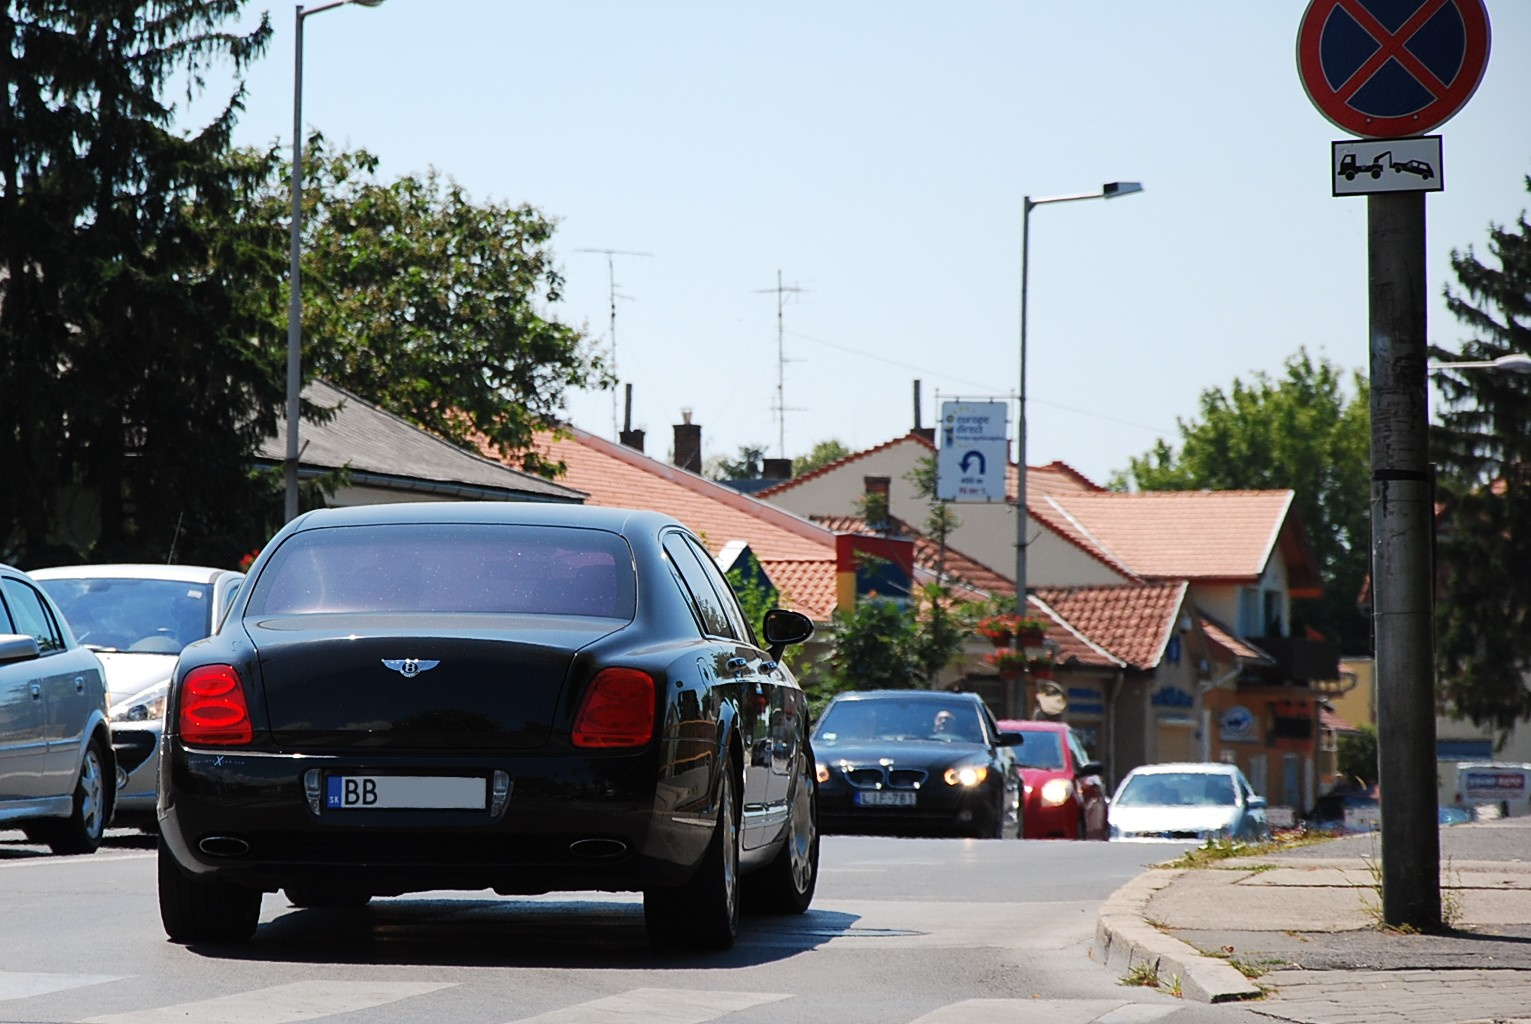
<point>1392,68</point>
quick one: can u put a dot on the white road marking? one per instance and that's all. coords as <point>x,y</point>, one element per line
<point>656,1006</point>
<point>301,1000</point>
<point>20,985</point>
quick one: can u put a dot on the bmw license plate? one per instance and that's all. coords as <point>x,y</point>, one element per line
<point>404,792</point>
<point>885,798</point>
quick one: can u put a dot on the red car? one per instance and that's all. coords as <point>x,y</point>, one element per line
<point>1064,795</point>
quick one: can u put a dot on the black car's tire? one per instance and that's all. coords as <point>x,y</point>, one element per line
<point>81,832</point>
<point>703,913</point>
<point>786,885</point>
<point>194,909</point>
<point>305,896</point>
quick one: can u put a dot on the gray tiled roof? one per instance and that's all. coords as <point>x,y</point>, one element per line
<point>384,450</point>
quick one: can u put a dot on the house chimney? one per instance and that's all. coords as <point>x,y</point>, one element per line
<point>688,443</point>
<point>629,437</point>
<point>776,469</point>
<point>928,433</point>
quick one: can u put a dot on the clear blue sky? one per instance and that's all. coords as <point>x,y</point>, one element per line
<point>875,153</point>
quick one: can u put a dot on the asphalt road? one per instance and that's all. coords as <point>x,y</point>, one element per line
<point>927,931</point>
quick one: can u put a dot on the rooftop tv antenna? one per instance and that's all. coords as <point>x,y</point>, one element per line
<point>780,407</point>
<point>614,295</point>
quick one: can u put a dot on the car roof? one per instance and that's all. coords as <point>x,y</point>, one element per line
<point>1186,768</point>
<point>133,571</point>
<point>617,520</point>
<point>930,696</point>
<point>1032,725</point>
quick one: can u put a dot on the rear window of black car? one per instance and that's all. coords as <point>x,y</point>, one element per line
<point>466,569</point>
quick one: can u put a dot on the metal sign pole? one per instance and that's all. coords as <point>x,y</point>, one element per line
<point>1402,516</point>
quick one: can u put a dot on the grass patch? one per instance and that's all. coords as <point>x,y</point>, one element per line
<point>1214,851</point>
<point>1142,975</point>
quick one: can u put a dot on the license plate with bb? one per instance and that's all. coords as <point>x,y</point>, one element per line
<point>885,798</point>
<point>404,792</point>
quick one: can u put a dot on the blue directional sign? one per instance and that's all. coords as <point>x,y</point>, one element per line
<point>1387,69</point>
<point>974,452</point>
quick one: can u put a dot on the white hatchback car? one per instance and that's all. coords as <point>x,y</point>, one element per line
<point>56,763</point>
<point>137,618</point>
<point>1187,801</point>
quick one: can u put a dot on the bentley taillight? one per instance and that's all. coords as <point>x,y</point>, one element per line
<point>618,710</point>
<point>213,710</point>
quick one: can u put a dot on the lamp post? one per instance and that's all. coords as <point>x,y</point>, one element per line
<point>1110,190</point>
<point>294,279</point>
<point>1515,362</point>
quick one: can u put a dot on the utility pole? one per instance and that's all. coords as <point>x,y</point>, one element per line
<point>781,291</point>
<point>611,279</point>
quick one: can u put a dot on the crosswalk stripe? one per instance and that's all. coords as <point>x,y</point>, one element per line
<point>301,1000</point>
<point>1046,1011</point>
<point>656,1006</point>
<point>20,985</point>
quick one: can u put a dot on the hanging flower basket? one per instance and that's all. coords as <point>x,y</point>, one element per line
<point>1000,629</point>
<point>1007,660</point>
<point>1040,668</point>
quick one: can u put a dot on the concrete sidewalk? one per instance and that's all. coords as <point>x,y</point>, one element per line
<point>1298,933</point>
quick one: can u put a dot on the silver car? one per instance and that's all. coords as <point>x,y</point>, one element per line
<point>137,618</point>
<point>1187,801</point>
<point>56,764</point>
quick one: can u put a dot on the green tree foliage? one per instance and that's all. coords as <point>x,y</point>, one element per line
<point>1482,447</point>
<point>430,304</point>
<point>746,467</point>
<point>822,454</point>
<point>136,383</point>
<point>1356,754</point>
<point>887,644</point>
<point>1301,432</point>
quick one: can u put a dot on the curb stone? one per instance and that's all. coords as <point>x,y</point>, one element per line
<point>1123,941</point>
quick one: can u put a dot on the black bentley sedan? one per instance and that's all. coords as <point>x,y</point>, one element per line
<point>517,697</point>
<point>916,761</point>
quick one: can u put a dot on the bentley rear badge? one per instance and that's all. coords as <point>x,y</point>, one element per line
<point>410,667</point>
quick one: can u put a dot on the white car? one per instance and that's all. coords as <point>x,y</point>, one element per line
<point>137,618</point>
<point>1187,801</point>
<point>56,764</point>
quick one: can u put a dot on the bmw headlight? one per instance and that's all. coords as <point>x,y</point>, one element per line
<point>967,776</point>
<point>143,706</point>
<point>1057,791</point>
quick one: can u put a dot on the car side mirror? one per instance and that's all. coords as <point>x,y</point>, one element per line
<point>1090,768</point>
<point>1010,739</point>
<point>18,647</point>
<point>1256,802</point>
<point>783,627</point>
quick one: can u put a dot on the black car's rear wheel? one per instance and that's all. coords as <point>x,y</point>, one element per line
<point>786,885</point>
<point>81,832</point>
<point>195,909</point>
<point>703,913</point>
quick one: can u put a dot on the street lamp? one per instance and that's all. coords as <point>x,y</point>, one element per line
<point>1110,190</point>
<point>295,288</point>
<point>1515,362</point>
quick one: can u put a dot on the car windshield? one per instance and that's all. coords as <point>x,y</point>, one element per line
<point>465,569</point>
<point>140,616</point>
<point>859,721</point>
<point>1177,789</point>
<point>1040,750</point>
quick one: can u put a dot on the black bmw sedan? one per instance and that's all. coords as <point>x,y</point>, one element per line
<point>517,697</point>
<point>916,761</point>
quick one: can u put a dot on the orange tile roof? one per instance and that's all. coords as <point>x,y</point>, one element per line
<point>1197,535</point>
<point>1227,644</point>
<point>797,554</point>
<point>1126,625</point>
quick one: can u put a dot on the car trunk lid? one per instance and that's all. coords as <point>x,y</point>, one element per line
<point>450,684</point>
